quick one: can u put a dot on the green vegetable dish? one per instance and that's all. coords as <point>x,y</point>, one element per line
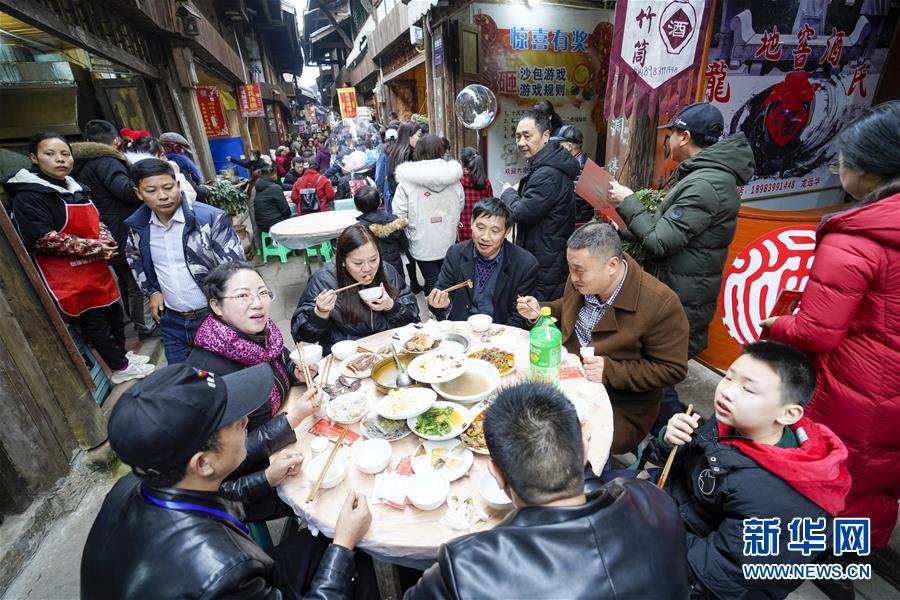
<point>436,421</point>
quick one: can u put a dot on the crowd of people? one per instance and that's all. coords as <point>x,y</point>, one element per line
<point>804,424</point>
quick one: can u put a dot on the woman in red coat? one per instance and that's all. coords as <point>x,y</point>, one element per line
<point>849,318</point>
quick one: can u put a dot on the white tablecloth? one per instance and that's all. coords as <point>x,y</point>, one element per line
<point>310,230</point>
<point>412,537</point>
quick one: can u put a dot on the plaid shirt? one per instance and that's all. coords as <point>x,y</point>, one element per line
<point>473,195</point>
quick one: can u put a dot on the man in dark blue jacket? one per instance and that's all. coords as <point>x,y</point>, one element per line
<point>168,530</point>
<point>543,205</point>
<point>500,271</point>
<point>172,246</point>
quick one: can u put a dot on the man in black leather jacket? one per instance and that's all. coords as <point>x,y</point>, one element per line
<point>623,541</point>
<point>167,531</point>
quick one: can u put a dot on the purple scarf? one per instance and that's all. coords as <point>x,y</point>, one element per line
<point>219,338</point>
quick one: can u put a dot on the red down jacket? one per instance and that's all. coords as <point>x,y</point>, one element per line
<point>849,319</point>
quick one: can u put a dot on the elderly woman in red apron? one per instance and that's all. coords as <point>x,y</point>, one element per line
<point>61,228</point>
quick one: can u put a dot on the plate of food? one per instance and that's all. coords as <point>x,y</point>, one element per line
<point>348,408</point>
<point>450,458</point>
<point>473,436</point>
<point>420,342</point>
<point>359,366</point>
<point>443,421</point>
<point>437,366</point>
<point>376,427</point>
<point>504,360</point>
<point>405,403</point>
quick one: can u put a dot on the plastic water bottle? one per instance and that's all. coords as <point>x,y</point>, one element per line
<point>546,344</point>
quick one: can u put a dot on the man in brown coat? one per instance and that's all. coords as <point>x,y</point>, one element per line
<point>635,324</point>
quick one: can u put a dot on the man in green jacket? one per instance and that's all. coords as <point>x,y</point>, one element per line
<point>686,242</point>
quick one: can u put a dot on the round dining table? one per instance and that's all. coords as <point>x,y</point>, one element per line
<point>411,537</point>
<point>313,229</point>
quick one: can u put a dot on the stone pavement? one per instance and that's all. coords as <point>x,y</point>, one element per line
<point>52,572</point>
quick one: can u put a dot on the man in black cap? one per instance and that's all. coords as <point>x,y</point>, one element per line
<point>167,530</point>
<point>571,139</point>
<point>686,242</point>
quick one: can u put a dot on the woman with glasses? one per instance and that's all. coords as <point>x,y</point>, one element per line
<point>237,334</point>
<point>326,316</point>
<point>849,317</point>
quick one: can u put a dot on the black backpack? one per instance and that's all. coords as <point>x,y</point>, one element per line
<point>309,199</point>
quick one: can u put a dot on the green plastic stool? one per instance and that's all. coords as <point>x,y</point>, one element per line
<point>102,384</point>
<point>323,251</point>
<point>272,248</point>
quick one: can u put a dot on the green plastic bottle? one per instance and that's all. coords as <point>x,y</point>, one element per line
<point>546,344</point>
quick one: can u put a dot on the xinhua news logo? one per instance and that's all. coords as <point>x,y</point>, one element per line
<point>808,536</point>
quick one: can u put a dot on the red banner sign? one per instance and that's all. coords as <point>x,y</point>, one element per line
<point>211,110</point>
<point>250,100</point>
<point>347,101</point>
<point>657,49</point>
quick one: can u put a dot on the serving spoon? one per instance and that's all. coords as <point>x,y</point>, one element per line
<point>403,378</point>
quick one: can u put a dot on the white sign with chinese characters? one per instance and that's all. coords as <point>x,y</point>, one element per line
<point>660,38</point>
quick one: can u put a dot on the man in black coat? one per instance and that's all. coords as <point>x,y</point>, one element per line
<point>543,207</point>
<point>104,170</point>
<point>500,272</point>
<point>298,166</point>
<point>167,530</point>
<point>269,203</point>
<point>624,540</point>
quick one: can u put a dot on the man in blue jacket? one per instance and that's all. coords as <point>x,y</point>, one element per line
<point>171,247</point>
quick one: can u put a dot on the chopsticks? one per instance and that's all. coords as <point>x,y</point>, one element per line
<point>467,283</point>
<point>321,478</point>
<point>671,459</point>
<point>347,287</point>
<point>304,366</point>
<point>327,370</point>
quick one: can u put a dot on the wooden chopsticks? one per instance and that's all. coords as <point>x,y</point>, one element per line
<point>671,459</point>
<point>467,283</point>
<point>327,370</point>
<point>304,366</point>
<point>347,287</point>
<point>334,451</point>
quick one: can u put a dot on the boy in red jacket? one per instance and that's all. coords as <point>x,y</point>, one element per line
<point>310,181</point>
<point>757,460</point>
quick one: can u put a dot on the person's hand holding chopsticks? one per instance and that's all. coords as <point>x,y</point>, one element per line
<point>528,307</point>
<point>325,303</point>
<point>438,298</point>
<point>298,410</point>
<point>680,429</point>
<point>353,522</point>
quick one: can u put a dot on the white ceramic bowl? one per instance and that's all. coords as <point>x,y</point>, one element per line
<point>586,351</point>
<point>371,456</point>
<point>371,294</point>
<point>480,323</point>
<point>445,326</point>
<point>428,491</point>
<point>492,494</point>
<point>312,352</point>
<point>336,472</point>
<point>344,349</point>
<point>477,367</point>
<point>358,397</point>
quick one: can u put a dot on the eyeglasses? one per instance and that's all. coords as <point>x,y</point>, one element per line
<point>835,166</point>
<point>247,298</point>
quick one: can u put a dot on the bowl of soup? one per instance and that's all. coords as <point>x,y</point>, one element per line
<point>479,381</point>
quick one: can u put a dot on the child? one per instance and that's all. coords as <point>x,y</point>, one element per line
<point>383,225</point>
<point>759,457</point>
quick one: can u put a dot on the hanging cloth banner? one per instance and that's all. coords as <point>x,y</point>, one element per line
<point>656,49</point>
<point>347,102</point>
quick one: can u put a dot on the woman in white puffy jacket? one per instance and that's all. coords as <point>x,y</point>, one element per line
<point>430,197</point>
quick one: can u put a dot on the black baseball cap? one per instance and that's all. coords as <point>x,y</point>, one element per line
<point>568,133</point>
<point>700,118</point>
<point>163,420</point>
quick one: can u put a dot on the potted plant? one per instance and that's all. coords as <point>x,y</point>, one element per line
<point>228,197</point>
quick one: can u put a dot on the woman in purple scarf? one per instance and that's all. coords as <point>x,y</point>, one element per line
<point>238,334</point>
